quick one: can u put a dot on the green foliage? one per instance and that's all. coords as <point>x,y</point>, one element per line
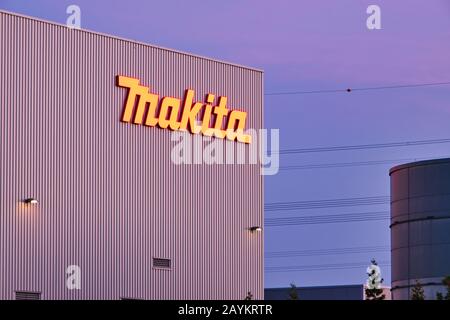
<point>417,292</point>
<point>373,290</point>
<point>446,282</point>
<point>374,294</point>
<point>440,295</point>
<point>293,293</point>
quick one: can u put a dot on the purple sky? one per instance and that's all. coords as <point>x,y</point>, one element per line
<point>301,46</point>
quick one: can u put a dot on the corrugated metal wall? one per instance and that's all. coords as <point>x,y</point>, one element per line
<point>110,198</point>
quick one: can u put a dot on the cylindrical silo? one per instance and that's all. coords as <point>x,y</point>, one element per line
<point>420,227</point>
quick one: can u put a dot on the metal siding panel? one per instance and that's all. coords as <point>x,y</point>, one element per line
<point>420,225</point>
<point>109,197</point>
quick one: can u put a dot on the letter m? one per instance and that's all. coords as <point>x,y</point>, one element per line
<point>135,90</point>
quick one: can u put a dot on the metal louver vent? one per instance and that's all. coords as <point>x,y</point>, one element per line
<point>28,295</point>
<point>162,263</point>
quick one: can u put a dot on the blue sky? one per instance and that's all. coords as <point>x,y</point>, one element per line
<point>302,46</point>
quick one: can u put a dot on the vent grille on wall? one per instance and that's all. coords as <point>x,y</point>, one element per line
<point>162,263</point>
<point>28,295</point>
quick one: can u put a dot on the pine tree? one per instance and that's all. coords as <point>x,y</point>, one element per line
<point>375,294</point>
<point>446,282</point>
<point>440,295</point>
<point>293,293</point>
<point>373,285</point>
<point>417,292</point>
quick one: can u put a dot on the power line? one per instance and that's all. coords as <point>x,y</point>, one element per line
<point>322,219</point>
<point>355,163</point>
<point>363,146</point>
<point>286,206</point>
<point>328,203</point>
<point>345,164</point>
<point>321,252</point>
<point>348,90</point>
<point>323,267</point>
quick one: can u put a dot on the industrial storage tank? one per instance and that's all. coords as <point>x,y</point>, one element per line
<point>420,227</point>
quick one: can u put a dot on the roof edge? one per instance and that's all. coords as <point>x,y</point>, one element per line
<point>320,287</point>
<point>132,41</point>
<point>419,163</point>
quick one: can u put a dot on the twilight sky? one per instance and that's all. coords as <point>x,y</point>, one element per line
<point>311,45</point>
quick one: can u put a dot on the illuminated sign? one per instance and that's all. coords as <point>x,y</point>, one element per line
<point>166,113</point>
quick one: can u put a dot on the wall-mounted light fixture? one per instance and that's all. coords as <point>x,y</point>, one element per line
<point>255,229</point>
<point>31,201</point>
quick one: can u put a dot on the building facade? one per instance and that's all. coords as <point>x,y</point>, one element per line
<point>92,205</point>
<point>420,227</point>
<point>342,292</point>
<point>339,292</point>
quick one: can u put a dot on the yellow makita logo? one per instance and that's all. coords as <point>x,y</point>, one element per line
<point>166,113</point>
